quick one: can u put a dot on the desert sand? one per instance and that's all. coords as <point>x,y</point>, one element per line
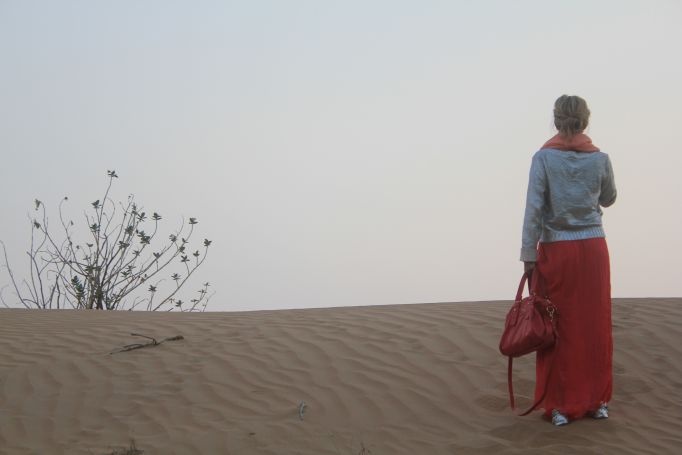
<point>407,379</point>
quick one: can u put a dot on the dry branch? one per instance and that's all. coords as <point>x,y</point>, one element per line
<point>153,342</point>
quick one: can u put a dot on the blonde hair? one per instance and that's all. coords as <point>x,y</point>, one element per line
<point>571,115</point>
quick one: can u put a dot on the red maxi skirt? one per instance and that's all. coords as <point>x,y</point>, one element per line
<point>576,275</point>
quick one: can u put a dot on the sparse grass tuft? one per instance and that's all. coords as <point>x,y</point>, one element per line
<point>132,450</point>
<point>364,450</point>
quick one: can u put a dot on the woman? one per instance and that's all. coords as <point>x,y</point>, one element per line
<point>563,244</point>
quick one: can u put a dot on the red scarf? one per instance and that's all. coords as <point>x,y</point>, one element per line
<point>578,143</point>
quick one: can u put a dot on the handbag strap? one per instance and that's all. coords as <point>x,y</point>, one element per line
<point>511,388</point>
<point>549,373</point>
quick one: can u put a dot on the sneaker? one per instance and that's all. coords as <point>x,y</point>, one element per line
<point>602,412</point>
<point>558,419</point>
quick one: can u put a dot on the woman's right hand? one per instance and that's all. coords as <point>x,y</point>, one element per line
<point>528,267</point>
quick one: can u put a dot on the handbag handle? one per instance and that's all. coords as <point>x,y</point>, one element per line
<point>528,276</point>
<point>519,293</point>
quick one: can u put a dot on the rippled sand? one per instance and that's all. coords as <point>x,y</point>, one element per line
<point>408,379</point>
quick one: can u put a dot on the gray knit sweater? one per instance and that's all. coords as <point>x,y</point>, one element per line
<point>565,192</point>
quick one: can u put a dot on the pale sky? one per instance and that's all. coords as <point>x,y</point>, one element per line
<point>343,152</point>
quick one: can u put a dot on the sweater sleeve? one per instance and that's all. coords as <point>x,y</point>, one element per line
<point>532,220</point>
<point>608,186</point>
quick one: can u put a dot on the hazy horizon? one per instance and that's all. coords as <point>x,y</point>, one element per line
<point>355,153</point>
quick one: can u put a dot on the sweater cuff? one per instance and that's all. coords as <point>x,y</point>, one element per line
<point>529,254</point>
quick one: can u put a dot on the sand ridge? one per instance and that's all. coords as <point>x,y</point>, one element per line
<point>404,379</point>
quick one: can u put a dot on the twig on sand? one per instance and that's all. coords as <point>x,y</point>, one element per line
<point>153,342</point>
<point>301,409</point>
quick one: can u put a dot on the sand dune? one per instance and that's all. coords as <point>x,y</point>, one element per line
<point>408,379</point>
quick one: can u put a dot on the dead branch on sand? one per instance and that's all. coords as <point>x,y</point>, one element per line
<point>153,342</point>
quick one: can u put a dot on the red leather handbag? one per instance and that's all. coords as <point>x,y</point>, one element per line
<point>530,326</point>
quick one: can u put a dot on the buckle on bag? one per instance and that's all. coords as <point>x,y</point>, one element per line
<point>551,309</point>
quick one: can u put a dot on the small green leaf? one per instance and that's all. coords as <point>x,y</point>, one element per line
<point>144,238</point>
<point>193,221</point>
<point>207,242</point>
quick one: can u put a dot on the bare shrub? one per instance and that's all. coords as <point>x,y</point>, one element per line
<point>115,267</point>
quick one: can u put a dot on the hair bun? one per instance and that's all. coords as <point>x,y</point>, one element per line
<point>571,115</point>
